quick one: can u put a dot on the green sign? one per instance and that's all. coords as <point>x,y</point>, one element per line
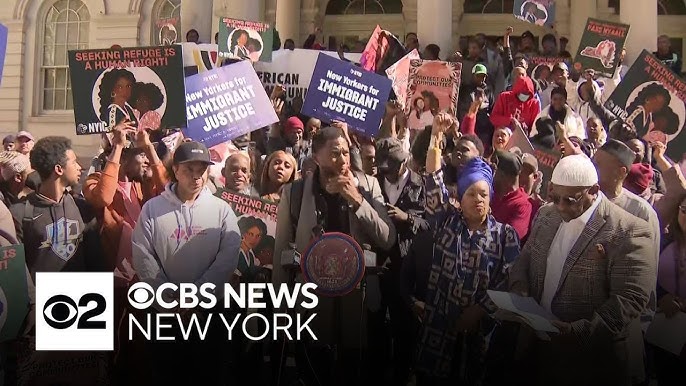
<point>14,293</point>
<point>240,39</point>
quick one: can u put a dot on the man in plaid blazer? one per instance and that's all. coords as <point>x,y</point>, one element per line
<point>592,265</point>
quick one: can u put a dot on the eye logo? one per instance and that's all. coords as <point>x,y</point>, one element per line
<point>60,312</point>
<point>141,295</point>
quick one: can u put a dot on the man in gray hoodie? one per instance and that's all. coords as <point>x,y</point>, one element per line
<point>187,235</point>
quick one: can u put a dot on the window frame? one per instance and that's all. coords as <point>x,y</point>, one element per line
<point>39,73</point>
<point>155,15</point>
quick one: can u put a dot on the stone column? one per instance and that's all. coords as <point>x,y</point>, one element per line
<point>434,24</point>
<point>642,16</point>
<point>581,10</point>
<point>288,19</point>
<point>197,15</point>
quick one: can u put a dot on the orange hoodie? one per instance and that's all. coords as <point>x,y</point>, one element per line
<point>102,193</point>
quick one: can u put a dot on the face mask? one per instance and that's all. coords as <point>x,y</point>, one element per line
<point>523,97</point>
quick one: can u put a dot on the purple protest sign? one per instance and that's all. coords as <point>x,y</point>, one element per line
<point>3,47</point>
<point>344,92</point>
<point>225,103</point>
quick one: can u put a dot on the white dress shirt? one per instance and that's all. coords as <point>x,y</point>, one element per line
<point>393,190</point>
<point>565,238</point>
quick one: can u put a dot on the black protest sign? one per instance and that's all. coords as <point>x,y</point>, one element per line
<point>601,46</point>
<point>651,99</point>
<point>141,84</point>
<point>547,160</point>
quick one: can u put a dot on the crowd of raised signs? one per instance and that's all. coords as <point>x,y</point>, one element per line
<point>527,185</point>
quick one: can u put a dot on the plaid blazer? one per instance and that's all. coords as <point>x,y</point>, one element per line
<point>602,295</point>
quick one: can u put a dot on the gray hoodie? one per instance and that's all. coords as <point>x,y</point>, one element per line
<point>180,243</point>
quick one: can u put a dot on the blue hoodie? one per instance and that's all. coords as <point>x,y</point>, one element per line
<point>181,243</point>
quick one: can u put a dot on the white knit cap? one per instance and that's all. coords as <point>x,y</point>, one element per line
<point>16,163</point>
<point>575,170</point>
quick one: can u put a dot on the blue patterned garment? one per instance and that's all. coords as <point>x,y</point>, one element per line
<point>463,268</point>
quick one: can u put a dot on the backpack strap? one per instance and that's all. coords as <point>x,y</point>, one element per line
<point>296,200</point>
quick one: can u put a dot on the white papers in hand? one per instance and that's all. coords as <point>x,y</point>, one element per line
<point>668,333</point>
<point>530,312</point>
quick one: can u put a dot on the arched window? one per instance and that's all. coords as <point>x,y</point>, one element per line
<point>488,6</point>
<point>65,28</point>
<point>363,7</point>
<point>164,9</point>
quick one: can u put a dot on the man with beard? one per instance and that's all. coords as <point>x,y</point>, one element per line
<point>131,177</point>
<point>332,199</point>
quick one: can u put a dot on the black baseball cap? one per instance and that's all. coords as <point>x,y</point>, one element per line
<point>508,162</point>
<point>527,34</point>
<point>190,152</point>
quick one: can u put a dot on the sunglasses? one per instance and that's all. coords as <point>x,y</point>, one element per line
<point>570,200</point>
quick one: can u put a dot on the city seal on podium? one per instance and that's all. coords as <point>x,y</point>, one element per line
<point>334,262</point>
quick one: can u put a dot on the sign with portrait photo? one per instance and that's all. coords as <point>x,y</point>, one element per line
<point>539,12</point>
<point>168,31</point>
<point>140,84</point>
<point>257,223</point>
<point>242,39</point>
<point>225,103</point>
<point>342,91</point>
<point>652,100</point>
<point>433,88</point>
<point>601,46</point>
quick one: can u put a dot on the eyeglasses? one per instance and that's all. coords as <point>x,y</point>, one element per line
<point>682,209</point>
<point>570,200</point>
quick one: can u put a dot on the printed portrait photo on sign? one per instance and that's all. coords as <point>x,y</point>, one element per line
<point>533,12</point>
<point>245,44</point>
<point>133,93</point>
<point>168,34</point>
<point>655,113</point>
<point>433,88</point>
<point>141,85</point>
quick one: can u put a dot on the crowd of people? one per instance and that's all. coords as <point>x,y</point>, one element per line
<point>451,212</point>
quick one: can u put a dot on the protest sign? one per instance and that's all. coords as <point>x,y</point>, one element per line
<point>293,69</point>
<point>652,100</point>
<point>344,92</point>
<point>519,142</point>
<point>433,88</point>
<point>14,293</point>
<point>167,31</point>
<point>3,48</point>
<point>399,74</point>
<point>600,47</point>
<point>382,51</point>
<point>245,39</point>
<point>257,218</point>
<point>199,58</point>
<point>547,159</point>
<point>141,84</point>
<point>225,103</point>
<point>539,12</point>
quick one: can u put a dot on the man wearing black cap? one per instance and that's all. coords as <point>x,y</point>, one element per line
<point>511,204</point>
<point>8,142</point>
<point>403,191</point>
<point>187,235</point>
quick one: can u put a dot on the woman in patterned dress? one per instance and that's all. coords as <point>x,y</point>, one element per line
<point>471,253</point>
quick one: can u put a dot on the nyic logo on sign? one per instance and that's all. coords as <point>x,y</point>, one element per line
<point>74,311</point>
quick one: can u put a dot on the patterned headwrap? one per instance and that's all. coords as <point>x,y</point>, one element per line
<point>474,171</point>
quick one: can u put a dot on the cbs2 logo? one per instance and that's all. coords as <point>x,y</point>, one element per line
<point>60,312</point>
